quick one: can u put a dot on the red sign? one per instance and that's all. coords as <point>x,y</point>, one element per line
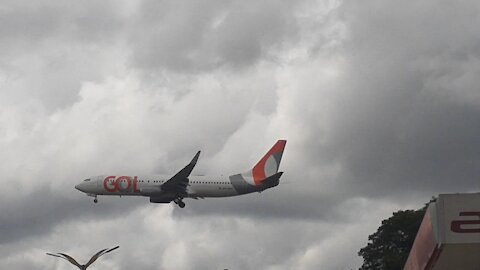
<point>466,226</point>
<point>121,184</point>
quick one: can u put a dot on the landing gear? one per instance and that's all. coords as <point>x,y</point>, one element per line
<point>94,197</point>
<point>179,202</point>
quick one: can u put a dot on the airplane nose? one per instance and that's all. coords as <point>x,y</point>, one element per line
<point>80,187</point>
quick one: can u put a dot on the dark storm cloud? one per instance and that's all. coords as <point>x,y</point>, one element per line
<point>205,35</point>
<point>408,115</point>
<point>31,24</point>
<point>39,212</point>
<point>404,117</point>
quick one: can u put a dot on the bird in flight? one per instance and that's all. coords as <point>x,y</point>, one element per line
<point>84,266</point>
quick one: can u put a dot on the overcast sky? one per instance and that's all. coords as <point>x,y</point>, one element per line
<point>379,102</point>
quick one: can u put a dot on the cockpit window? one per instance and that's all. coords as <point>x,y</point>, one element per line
<point>86,180</point>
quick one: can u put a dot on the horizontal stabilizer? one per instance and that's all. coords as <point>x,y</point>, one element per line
<point>272,181</point>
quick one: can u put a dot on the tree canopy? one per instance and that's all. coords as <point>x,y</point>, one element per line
<point>389,246</point>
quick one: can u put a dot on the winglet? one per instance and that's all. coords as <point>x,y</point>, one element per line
<point>195,159</point>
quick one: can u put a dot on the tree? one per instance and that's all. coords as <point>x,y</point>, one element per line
<point>389,246</point>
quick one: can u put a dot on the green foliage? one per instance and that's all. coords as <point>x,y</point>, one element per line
<point>388,248</point>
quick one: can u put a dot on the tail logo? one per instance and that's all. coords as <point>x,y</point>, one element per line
<point>269,164</point>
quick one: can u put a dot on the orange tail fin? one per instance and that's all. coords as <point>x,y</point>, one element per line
<point>269,164</point>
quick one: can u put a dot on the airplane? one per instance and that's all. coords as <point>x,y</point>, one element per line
<point>83,266</point>
<point>165,189</point>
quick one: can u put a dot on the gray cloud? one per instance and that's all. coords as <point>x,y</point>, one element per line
<point>408,119</point>
<point>49,49</point>
<point>39,213</point>
<point>208,35</point>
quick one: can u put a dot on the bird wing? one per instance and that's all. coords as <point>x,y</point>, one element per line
<point>98,254</point>
<point>112,249</point>
<point>70,259</point>
<point>95,257</point>
<point>55,255</point>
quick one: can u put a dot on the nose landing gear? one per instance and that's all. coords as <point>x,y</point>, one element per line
<point>95,200</point>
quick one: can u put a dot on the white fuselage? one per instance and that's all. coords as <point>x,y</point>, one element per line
<point>199,186</point>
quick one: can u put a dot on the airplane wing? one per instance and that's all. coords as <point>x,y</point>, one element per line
<point>179,182</point>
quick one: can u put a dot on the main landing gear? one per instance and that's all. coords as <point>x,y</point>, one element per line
<point>179,202</point>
